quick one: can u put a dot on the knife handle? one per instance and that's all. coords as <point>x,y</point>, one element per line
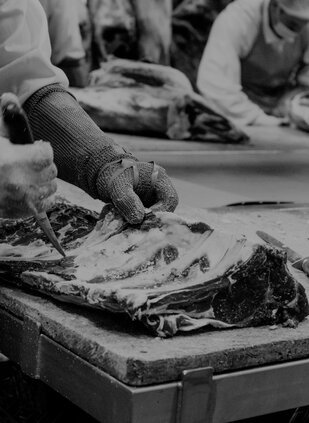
<point>15,120</point>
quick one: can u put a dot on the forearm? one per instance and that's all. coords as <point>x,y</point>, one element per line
<point>77,71</point>
<point>81,149</point>
<point>228,99</point>
<point>220,71</point>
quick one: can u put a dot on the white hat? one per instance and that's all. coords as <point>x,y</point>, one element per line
<point>296,8</point>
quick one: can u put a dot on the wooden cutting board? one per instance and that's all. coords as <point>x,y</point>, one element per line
<point>119,347</point>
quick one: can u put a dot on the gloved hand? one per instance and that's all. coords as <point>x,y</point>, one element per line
<point>131,185</point>
<point>27,178</point>
<point>88,158</point>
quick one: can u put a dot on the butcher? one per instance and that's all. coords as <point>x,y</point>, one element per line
<point>66,41</point>
<point>83,154</point>
<point>256,59</point>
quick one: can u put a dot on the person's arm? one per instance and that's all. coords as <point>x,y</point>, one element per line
<point>88,158</point>
<point>84,155</point>
<point>154,22</point>
<point>66,41</point>
<point>219,74</point>
<point>25,49</point>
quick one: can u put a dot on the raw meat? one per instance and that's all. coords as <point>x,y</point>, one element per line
<point>144,98</point>
<point>170,274</point>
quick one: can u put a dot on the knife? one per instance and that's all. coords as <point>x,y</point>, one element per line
<point>300,263</point>
<point>19,132</point>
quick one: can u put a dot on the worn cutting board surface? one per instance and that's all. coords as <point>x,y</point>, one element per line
<point>127,352</point>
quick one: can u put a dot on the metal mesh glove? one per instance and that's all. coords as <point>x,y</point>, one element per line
<point>132,185</point>
<point>88,158</point>
<point>81,149</point>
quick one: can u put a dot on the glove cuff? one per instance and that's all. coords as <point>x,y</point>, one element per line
<point>32,102</point>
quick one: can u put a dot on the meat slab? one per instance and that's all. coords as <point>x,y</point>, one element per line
<point>169,273</point>
<point>144,98</point>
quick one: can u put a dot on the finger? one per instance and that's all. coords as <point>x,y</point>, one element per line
<point>128,205</point>
<point>166,194</point>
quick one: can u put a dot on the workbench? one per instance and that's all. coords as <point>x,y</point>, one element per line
<point>113,369</point>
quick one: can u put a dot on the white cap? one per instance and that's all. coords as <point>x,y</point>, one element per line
<point>296,8</point>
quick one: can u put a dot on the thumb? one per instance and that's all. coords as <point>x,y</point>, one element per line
<point>128,205</point>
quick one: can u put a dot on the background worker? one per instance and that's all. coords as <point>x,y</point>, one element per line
<point>68,52</point>
<point>256,57</point>
<point>84,155</point>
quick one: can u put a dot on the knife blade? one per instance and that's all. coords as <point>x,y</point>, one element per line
<point>19,132</point>
<point>297,261</point>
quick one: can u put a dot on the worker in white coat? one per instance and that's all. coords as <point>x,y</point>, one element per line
<point>256,57</point>
<point>67,46</point>
<point>83,154</point>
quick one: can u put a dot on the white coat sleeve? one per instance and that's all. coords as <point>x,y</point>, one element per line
<point>64,33</point>
<point>219,74</point>
<point>25,50</point>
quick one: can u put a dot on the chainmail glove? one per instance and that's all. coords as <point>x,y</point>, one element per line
<point>80,147</point>
<point>88,158</point>
<point>131,186</point>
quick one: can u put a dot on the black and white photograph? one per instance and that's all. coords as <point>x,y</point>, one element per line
<point>154,211</point>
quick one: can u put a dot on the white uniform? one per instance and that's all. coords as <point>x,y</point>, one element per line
<point>246,68</point>
<point>25,49</point>
<point>63,26</point>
